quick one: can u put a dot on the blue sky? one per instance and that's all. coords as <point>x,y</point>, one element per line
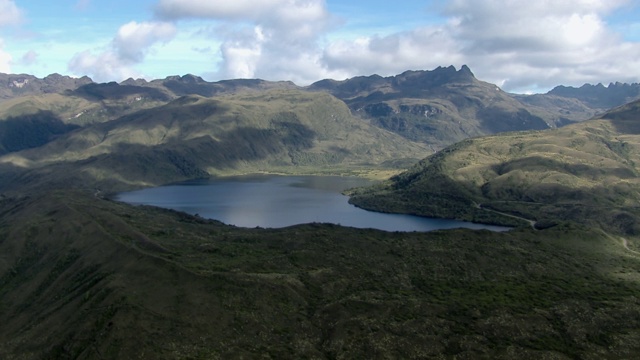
<point>522,46</point>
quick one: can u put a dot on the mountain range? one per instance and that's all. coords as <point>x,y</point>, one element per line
<point>169,124</point>
<point>437,107</point>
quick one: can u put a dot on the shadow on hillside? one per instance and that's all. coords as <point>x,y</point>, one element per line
<point>539,163</point>
<point>31,131</point>
<point>626,119</point>
<point>496,120</point>
<point>115,91</point>
<point>191,158</point>
<point>626,123</point>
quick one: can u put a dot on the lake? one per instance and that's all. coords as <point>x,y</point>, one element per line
<point>279,201</point>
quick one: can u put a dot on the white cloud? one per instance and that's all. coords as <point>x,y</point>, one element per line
<point>106,66</point>
<point>423,48</point>
<point>298,11</point>
<point>539,44</point>
<point>520,45</point>
<point>5,59</point>
<point>129,47</point>
<point>10,14</point>
<point>29,58</point>
<point>134,39</point>
<point>272,39</point>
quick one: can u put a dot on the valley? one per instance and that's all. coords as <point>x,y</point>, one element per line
<point>86,277</point>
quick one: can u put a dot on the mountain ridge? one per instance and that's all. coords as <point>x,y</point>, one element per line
<point>194,137</point>
<point>93,123</point>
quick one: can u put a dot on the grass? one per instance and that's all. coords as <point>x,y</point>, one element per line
<point>583,172</point>
<point>288,131</point>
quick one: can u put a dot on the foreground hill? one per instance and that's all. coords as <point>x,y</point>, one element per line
<point>585,172</point>
<point>87,278</point>
<point>193,137</point>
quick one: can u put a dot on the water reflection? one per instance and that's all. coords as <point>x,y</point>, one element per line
<point>280,201</point>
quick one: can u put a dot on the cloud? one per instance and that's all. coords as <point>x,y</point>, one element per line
<point>29,58</point>
<point>538,44</point>
<point>10,14</point>
<point>5,59</point>
<point>129,47</point>
<point>271,39</point>
<point>422,48</point>
<point>134,39</point>
<point>298,11</point>
<point>102,67</point>
<point>519,45</point>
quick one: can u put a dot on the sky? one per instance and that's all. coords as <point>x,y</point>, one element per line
<point>523,46</point>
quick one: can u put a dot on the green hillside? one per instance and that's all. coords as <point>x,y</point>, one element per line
<point>83,277</point>
<point>586,172</point>
<point>191,137</point>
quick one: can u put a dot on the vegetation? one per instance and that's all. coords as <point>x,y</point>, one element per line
<point>84,277</point>
<point>583,173</point>
<point>444,106</point>
<point>194,137</point>
<point>30,131</point>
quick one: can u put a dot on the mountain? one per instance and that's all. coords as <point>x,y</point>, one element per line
<point>599,96</point>
<point>437,107</point>
<point>443,106</point>
<point>586,172</point>
<point>13,85</point>
<point>195,137</point>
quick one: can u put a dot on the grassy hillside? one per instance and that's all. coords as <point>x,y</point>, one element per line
<point>86,106</point>
<point>586,172</point>
<point>83,277</point>
<point>191,137</point>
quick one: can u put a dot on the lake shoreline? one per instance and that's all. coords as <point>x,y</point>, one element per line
<point>277,201</point>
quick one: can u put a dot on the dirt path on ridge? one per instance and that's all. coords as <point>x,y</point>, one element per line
<point>531,222</point>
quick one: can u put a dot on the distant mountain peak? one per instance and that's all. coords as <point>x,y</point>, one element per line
<point>12,85</point>
<point>603,97</point>
<point>192,78</point>
<point>465,70</point>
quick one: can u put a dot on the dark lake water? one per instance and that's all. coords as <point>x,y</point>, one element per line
<point>280,201</point>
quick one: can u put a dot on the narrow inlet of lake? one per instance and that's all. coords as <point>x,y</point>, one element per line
<point>279,201</point>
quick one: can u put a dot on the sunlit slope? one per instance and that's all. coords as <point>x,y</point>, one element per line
<point>194,136</point>
<point>584,172</point>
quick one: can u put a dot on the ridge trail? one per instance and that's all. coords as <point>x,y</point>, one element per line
<point>531,222</point>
